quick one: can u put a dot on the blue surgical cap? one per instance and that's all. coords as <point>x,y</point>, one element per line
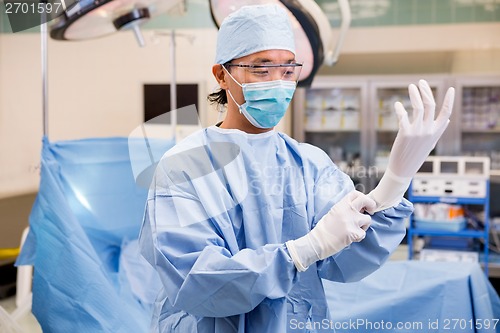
<point>252,29</point>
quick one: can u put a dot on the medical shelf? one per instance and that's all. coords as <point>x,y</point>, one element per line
<point>461,233</point>
<point>449,200</point>
<point>458,174</point>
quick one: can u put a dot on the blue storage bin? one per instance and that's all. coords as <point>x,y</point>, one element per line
<point>448,225</point>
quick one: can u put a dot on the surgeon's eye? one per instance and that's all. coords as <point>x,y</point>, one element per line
<point>260,71</point>
<point>288,72</point>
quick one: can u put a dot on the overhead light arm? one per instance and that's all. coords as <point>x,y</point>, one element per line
<point>332,55</point>
<point>132,21</point>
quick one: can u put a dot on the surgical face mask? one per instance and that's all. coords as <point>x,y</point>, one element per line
<point>265,102</point>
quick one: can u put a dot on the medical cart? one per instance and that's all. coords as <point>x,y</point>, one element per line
<point>453,180</point>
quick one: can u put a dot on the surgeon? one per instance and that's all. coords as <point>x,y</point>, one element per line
<point>242,222</point>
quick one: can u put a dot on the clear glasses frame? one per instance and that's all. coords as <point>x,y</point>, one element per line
<point>269,71</point>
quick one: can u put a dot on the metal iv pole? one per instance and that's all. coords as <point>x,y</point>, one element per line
<point>173,83</point>
<point>173,86</point>
<point>44,52</point>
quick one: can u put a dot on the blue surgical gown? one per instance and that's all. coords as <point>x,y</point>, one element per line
<point>221,207</point>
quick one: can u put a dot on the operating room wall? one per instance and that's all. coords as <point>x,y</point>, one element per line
<point>20,114</point>
<point>95,89</point>
<point>444,49</point>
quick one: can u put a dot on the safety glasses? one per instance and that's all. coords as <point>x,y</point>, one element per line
<point>251,72</point>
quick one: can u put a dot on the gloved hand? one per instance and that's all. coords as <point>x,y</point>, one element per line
<point>343,224</point>
<point>413,143</point>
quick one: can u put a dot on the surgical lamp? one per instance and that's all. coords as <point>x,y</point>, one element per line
<point>313,34</point>
<point>88,19</point>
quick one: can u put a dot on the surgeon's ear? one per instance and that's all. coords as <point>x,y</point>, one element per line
<point>220,75</point>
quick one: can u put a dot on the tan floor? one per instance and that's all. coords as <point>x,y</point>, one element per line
<point>401,253</point>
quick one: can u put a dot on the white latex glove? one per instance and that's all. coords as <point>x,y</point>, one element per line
<point>413,143</point>
<point>343,224</point>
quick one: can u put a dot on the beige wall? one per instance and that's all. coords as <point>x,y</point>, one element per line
<point>449,49</point>
<point>95,87</point>
<point>423,38</point>
<point>20,115</point>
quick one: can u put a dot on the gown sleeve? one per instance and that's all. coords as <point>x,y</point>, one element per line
<point>199,272</point>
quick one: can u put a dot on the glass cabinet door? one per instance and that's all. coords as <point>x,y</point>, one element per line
<point>479,102</point>
<point>333,118</point>
<point>478,126</point>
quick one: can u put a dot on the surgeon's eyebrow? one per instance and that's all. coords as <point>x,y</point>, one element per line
<point>263,60</point>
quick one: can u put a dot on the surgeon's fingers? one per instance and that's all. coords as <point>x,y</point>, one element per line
<point>363,203</point>
<point>417,104</point>
<point>429,102</point>
<point>404,122</point>
<point>447,108</point>
<point>358,235</point>
<point>364,221</point>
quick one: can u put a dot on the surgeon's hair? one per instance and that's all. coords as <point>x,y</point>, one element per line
<point>219,96</point>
